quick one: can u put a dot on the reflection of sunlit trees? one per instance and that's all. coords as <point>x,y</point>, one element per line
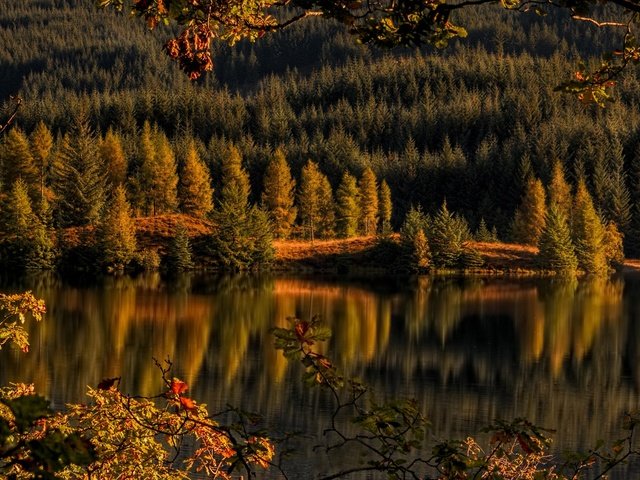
<point>558,306</point>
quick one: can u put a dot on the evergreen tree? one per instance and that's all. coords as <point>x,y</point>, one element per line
<point>347,206</point>
<point>194,188</point>
<point>142,178</point>
<point>559,192</point>
<point>113,158</point>
<point>179,255</point>
<point>18,162</point>
<point>243,237</point>
<point>368,187</point>
<point>279,194</point>
<point>555,249</point>
<point>414,222</point>
<point>483,234</point>
<point>41,143</point>
<point>447,235</point>
<point>613,240</point>
<point>529,218</point>
<point>386,208</point>
<point>588,233</point>
<point>618,203</point>
<point>28,243</point>
<point>117,233</point>
<point>79,177</point>
<point>420,252</point>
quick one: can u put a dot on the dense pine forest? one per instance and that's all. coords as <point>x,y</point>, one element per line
<point>110,129</point>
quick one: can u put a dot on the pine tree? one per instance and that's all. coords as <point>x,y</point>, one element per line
<point>618,198</point>
<point>446,237</point>
<point>386,208</point>
<point>420,253</point>
<point>41,143</point>
<point>194,188</point>
<point>368,187</point>
<point>347,206</point>
<point>117,233</point>
<point>327,222</point>
<point>555,249</point>
<point>309,198</point>
<point>483,234</point>
<point>164,182</point>
<point>17,161</point>
<point>79,177</point>
<point>279,194</point>
<point>243,237</point>
<point>179,255</point>
<point>559,192</point>
<point>28,243</point>
<point>588,233</point>
<point>529,218</point>
<point>613,240</point>
<point>113,158</point>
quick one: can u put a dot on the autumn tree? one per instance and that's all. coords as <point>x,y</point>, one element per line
<point>368,187</point>
<point>529,218</point>
<point>278,195</point>
<point>559,191</point>
<point>555,248</point>
<point>164,177</point>
<point>326,211</point>
<point>41,143</point>
<point>309,201</point>
<point>588,233</point>
<point>447,235</point>
<point>179,256</point>
<point>117,233</point>
<point>385,208</point>
<point>194,188</point>
<point>17,161</point>
<point>113,158</point>
<point>347,206</point>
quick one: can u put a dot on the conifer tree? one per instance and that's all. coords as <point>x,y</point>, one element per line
<point>79,177</point>
<point>414,222</point>
<point>618,198</point>
<point>28,243</point>
<point>117,233</point>
<point>446,237</point>
<point>279,194</point>
<point>17,161</point>
<point>309,198</point>
<point>613,240</point>
<point>368,186</point>
<point>142,178</point>
<point>41,143</point>
<point>421,253</point>
<point>164,180</point>
<point>529,218</point>
<point>179,255</point>
<point>243,237</point>
<point>113,158</point>
<point>559,192</point>
<point>483,234</point>
<point>555,249</point>
<point>588,233</point>
<point>347,206</point>
<point>194,188</point>
<point>327,223</point>
<point>386,208</point>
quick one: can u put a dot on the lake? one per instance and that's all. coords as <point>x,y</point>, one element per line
<point>563,353</point>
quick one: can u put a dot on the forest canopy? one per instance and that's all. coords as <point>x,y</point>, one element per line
<point>386,23</point>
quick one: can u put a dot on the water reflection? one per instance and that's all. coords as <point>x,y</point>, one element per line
<point>562,353</point>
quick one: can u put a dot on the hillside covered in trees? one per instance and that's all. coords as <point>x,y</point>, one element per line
<point>112,128</point>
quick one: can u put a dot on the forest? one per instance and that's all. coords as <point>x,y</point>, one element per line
<point>467,127</point>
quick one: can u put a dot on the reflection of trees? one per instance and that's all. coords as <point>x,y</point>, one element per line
<point>553,351</point>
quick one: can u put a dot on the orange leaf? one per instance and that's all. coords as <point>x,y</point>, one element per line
<point>301,330</point>
<point>178,386</point>
<point>187,403</point>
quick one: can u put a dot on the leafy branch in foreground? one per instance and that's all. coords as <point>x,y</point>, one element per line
<point>14,310</point>
<point>392,433</point>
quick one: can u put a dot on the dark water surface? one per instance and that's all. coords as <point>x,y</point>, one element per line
<point>564,354</point>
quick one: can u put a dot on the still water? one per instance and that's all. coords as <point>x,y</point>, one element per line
<point>564,354</point>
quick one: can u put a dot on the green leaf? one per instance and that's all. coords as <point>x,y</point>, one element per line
<point>27,409</point>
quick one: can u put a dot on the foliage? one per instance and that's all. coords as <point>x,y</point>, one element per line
<point>386,208</point>
<point>588,233</point>
<point>381,23</point>
<point>113,158</point>
<point>14,310</point>
<point>559,191</point>
<point>447,235</point>
<point>421,253</point>
<point>368,187</point>
<point>484,235</point>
